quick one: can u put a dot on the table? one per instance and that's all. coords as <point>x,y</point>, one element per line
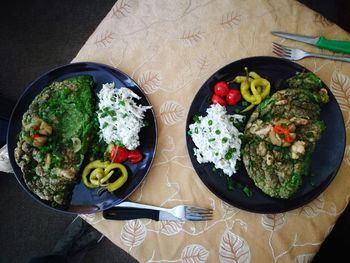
<point>170,48</point>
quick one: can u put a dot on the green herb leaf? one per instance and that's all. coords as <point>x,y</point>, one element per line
<point>145,123</point>
<point>245,103</point>
<point>196,118</point>
<point>247,191</point>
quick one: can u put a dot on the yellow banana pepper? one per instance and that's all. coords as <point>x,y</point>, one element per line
<point>96,176</point>
<point>87,170</point>
<point>106,177</point>
<point>245,91</point>
<point>254,75</point>
<point>102,173</point>
<point>253,88</point>
<point>121,180</point>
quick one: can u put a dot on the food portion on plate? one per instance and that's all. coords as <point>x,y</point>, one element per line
<point>120,117</point>
<point>253,87</point>
<point>218,135</point>
<point>120,121</point>
<point>56,131</point>
<point>281,134</point>
<point>68,135</point>
<point>275,141</point>
<point>217,139</point>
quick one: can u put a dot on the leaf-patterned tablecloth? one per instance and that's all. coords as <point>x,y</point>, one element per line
<point>170,48</point>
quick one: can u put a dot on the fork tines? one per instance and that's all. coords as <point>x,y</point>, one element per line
<point>281,50</point>
<point>198,214</point>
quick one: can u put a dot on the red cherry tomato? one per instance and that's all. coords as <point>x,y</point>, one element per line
<point>217,99</point>
<point>233,96</point>
<point>135,156</point>
<point>221,88</point>
<point>118,154</point>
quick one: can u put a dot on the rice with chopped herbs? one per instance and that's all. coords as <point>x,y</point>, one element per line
<point>120,117</point>
<point>217,139</point>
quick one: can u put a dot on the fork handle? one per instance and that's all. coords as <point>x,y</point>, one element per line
<point>346,59</point>
<point>127,213</point>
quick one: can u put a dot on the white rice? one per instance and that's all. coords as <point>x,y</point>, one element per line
<point>217,139</point>
<point>120,117</point>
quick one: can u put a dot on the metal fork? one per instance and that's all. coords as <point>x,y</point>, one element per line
<point>296,54</point>
<point>131,210</point>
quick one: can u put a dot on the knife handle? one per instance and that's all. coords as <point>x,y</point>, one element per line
<point>334,45</point>
<point>127,213</point>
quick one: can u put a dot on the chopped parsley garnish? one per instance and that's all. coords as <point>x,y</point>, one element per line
<point>247,191</point>
<point>145,123</point>
<point>196,118</point>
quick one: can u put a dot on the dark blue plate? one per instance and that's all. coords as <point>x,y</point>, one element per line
<point>85,200</point>
<point>326,159</point>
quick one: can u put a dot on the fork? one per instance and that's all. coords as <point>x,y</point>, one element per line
<point>296,54</point>
<point>131,210</point>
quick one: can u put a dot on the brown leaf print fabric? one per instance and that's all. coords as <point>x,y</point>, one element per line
<point>171,48</point>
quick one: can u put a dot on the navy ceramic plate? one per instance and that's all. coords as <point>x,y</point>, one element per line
<point>325,162</point>
<point>85,200</point>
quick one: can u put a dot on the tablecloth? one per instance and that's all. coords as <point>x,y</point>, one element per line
<point>170,48</point>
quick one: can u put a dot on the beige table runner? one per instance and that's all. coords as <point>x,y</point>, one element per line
<point>170,48</point>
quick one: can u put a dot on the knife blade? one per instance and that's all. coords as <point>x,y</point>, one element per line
<point>129,213</point>
<point>320,42</point>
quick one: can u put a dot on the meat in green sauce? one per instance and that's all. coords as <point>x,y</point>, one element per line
<point>281,135</point>
<point>56,130</point>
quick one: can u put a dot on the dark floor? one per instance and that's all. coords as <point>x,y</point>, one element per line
<point>35,37</point>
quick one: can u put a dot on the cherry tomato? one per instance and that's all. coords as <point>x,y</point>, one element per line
<point>221,89</point>
<point>217,99</point>
<point>118,154</point>
<point>135,156</point>
<point>233,96</point>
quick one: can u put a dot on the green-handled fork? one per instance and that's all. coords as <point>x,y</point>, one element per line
<point>296,54</point>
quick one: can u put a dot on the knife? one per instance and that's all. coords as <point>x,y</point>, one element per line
<point>129,213</point>
<point>320,42</point>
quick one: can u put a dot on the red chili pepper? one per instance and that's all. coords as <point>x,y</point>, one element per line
<point>118,154</point>
<point>135,156</point>
<point>35,135</point>
<point>279,130</point>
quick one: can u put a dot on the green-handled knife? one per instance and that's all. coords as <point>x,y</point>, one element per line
<point>320,42</point>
